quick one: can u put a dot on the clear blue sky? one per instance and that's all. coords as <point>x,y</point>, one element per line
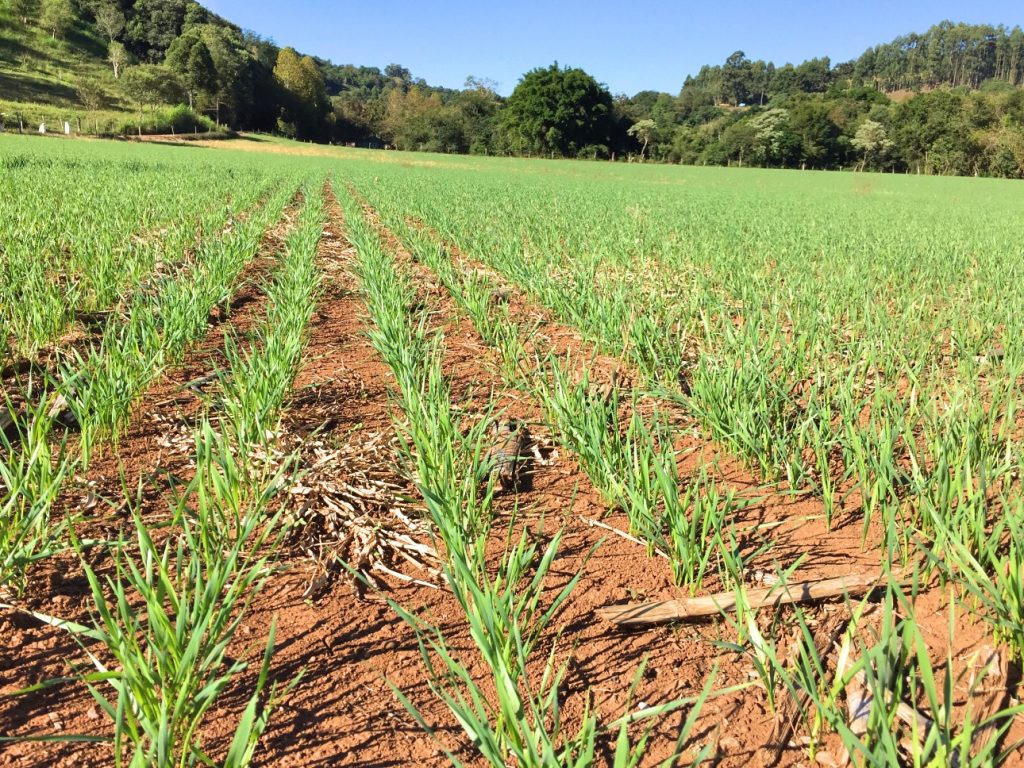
<point>629,51</point>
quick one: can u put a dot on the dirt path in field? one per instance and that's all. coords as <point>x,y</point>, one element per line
<point>153,453</point>
<point>344,641</point>
<point>344,712</point>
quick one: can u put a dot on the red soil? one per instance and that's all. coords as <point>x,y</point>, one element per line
<point>350,644</point>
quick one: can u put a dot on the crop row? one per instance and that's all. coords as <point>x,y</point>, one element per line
<point>506,607</point>
<point>165,614</point>
<point>835,394</point>
<point>97,387</point>
<point>635,470</point>
<point>80,237</point>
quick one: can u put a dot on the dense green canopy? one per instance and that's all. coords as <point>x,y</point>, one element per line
<point>558,111</point>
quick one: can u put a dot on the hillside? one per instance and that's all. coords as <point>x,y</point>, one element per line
<point>121,66</point>
<point>39,74</point>
<point>36,68</point>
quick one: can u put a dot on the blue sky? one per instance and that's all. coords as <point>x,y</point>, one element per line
<point>629,51</point>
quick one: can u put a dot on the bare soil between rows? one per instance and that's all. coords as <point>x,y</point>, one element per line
<point>348,643</point>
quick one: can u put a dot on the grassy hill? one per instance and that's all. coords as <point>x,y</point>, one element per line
<point>38,69</point>
<point>41,80</point>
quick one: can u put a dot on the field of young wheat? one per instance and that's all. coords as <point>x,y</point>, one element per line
<point>316,456</point>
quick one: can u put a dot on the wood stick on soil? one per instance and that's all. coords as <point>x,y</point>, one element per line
<point>8,426</point>
<point>598,524</point>
<point>989,673</point>
<point>859,698</point>
<point>642,614</point>
<point>790,708</point>
<point>379,566</point>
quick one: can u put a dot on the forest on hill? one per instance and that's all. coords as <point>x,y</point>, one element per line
<point>948,101</point>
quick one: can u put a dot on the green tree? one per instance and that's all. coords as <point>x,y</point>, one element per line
<point>810,119</point>
<point>873,143</point>
<point>306,103</point>
<point>637,106</point>
<point>476,109</point>
<point>696,105</point>
<point>814,75</point>
<point>26,10</point>
<point>557,111</point>
<point>56,17</point>
<point>784,80</point>
<point>149,85</point>
<point>410,118</point>
<point>1004,155</point>
<point>399,74</point>
<point>774,141</point>
<point>200,75</point>
<point>414,119</point>
<point>118,57</point>
<point>737,75</point>
<point>288,71</point>
<point>230,61</point>
<point>738,142</point>
<point>154,25</point>
<point>215,63</point>
<point>196,15</point>
<point>760,80</point>
<point>260,48</point>
<point>932,132</point>
<point>91,95</point>
<point>109,20</point>
<point>357,118</point>
<point>642,130</point>
<point>191,59</point>
<point>946,54</point>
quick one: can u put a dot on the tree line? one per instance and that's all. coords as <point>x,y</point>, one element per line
<point>947,101</point>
